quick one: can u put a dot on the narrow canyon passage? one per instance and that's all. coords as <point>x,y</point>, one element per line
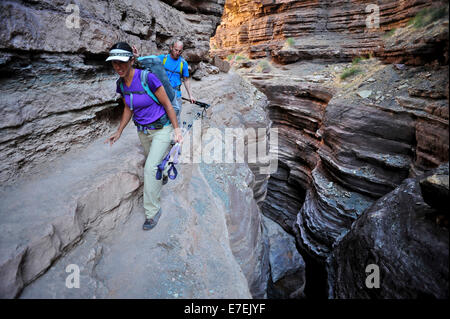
<point>353,95</point>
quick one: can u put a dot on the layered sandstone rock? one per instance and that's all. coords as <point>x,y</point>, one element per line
<point>345,143</point>
<point>338,151</point>
<point>333,30</point>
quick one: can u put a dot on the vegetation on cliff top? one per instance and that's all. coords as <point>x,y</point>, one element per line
<point>428,15</point>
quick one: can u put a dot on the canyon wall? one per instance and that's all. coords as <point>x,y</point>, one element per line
<point>348,148</point>
<point>85,209</point>
<point>345,142</point>
<point>332,30</point>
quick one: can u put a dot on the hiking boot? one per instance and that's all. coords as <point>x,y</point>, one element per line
<point>149,224</point>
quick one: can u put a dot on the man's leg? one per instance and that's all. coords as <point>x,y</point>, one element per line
<point>176,103</point>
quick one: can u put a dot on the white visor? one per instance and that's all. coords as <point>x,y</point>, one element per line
<point>119,55</point>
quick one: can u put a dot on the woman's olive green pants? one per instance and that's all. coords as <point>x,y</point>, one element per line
<point>156,143</point>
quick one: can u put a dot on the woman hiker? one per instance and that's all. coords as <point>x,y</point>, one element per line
<point>155,123</point>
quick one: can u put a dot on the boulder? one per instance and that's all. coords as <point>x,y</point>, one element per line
<point>223,65</point>
<point>287,267</point>
<point>435,189</point>
<point>204,70</point>
<point>394,250</point>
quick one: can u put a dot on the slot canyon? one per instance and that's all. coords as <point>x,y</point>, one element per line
<point>350,98</point>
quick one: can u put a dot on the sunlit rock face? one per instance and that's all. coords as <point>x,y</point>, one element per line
<point>332,30</point>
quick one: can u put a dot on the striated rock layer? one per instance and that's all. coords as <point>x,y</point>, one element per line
<point>56,90</point>
<point>332,30</point>
<point>346,143</point>
<point>338,154</point>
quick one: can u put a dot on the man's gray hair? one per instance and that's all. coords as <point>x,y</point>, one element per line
<point>175,41</point>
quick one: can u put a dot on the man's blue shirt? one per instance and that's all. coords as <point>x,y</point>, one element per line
<point>173,71</point>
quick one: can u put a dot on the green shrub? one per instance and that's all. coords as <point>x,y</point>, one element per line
<point>428,15</point>
<point>389,33</point>
<point>350,72</point>
<point>230,57</point>
<point>290,42</point>
<point>264,65</point>
<point>357,60</point>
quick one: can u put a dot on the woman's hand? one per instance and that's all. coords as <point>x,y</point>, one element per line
<point>178,136</point>
<point>135,51</point>
<point>113,138</point>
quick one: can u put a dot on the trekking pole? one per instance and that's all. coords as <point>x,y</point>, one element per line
<point>171,157</point>
<point>201,104</point>
<point>205,107</point>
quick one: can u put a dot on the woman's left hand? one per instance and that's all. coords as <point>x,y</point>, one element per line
<point>178,136</point>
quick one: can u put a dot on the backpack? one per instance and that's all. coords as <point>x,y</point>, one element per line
<point>152,64</point>
<point>181,65</point>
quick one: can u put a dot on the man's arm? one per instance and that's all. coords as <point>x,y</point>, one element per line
<point>187,85</point>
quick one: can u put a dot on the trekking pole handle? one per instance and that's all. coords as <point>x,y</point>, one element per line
<point>198,103</point>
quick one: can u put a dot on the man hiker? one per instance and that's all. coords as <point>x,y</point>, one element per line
<point>177,70</point>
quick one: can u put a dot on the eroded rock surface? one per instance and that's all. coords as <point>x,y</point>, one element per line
<point>400,235</point>
<point>349,133</point>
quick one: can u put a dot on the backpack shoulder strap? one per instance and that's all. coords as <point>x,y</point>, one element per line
<point>144,83</point>
<point>119,83</point>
